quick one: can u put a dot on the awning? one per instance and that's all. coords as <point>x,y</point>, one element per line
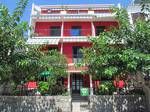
<point>56,40</point>
<point>76,39</point>
<point>42,40</point>
<point>45,73</point>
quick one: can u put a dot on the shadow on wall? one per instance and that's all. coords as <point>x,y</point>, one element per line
<point>118,103</point>
<point>29,104</point>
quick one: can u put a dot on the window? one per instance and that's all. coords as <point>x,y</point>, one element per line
<point>77,54</point>
<point>76,31</point>
<point>55,31</point>
<point>99,29</point>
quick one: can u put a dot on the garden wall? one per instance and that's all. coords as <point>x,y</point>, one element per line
<point>118,103</point>
<point>35,104</point>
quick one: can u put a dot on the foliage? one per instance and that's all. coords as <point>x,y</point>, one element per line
<point>106,88</point>
<point>19,61</point>
<point>55,86</point>
<point>43,87</point>
<point>55,62</point>
<point>145,5</point>
<point>11,37</point>
<point>121,50</point>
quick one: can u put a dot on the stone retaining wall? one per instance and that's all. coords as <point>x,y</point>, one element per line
<point>118,103</point>
<point>35,104</point>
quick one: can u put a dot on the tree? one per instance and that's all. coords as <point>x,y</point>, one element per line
<point>122,50</point>
<point>11,36</point>
<point>19,61</point>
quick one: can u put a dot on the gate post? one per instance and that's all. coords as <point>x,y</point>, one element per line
<point>91,85</point>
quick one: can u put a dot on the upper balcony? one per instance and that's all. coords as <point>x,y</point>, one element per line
<point>72,12</point>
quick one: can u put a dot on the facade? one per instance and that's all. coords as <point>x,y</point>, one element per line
<point>67,29</point>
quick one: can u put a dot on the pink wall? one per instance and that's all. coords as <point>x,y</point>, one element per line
<point>106,24</point>
<point>43,28</point>
<point>67,49</point>
<point>85,26</point>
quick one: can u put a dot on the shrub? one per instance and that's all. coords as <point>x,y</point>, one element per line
<point>43,87</point>
<point>106,88</point>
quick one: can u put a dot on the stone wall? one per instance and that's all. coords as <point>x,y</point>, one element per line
<point>118,103</point>
<point>35,104</point>
<point>147,93</point>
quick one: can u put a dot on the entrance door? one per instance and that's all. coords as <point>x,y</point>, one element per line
<point>77,83</point>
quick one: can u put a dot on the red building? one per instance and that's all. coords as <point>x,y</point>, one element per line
<point>67,29</point>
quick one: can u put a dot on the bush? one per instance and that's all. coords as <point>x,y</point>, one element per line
<point>106,88</point>
<point>43,87</point>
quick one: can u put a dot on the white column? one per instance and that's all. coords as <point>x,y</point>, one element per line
<point>69,83</point>
<point>91,85</point>
<point>93,29</point>
<point>130,18</point>
<point>62,29</point>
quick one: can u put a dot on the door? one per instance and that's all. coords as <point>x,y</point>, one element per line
<point>77,83</point>
<point>77,54</point>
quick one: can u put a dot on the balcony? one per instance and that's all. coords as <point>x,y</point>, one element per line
<point>75,16</point>
<point>56,35</point>
<point>75,32</point>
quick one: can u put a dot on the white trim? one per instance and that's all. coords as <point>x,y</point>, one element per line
<point>93,29</point>
<point>78,6</point>
<point>39,41</point>
<point>74,17</point>
<point>62,33</point>
<point>71,64</point>
<point>69,83</point>
<point>74,71</point>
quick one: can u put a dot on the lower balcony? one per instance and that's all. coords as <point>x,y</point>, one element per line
<point>56,40</point>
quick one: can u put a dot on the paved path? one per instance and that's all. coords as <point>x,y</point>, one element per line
<point>80,107</point>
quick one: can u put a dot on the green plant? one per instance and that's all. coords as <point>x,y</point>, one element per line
<point>122,50</point>
<point>65,93</point>
<point>106,88</point>
<point>43,87</point>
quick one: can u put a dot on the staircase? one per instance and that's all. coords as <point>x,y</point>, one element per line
<point>80,103</point>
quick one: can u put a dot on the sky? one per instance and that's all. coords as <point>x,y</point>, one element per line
<point>11,4</point>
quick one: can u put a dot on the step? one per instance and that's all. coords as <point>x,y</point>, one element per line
<point>80,106</point>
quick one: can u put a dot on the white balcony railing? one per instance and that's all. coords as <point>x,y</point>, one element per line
<point>73,16</point>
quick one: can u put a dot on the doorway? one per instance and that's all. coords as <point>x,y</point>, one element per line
<point>77,83</point>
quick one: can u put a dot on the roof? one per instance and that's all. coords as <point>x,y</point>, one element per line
<point>77,5</point>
